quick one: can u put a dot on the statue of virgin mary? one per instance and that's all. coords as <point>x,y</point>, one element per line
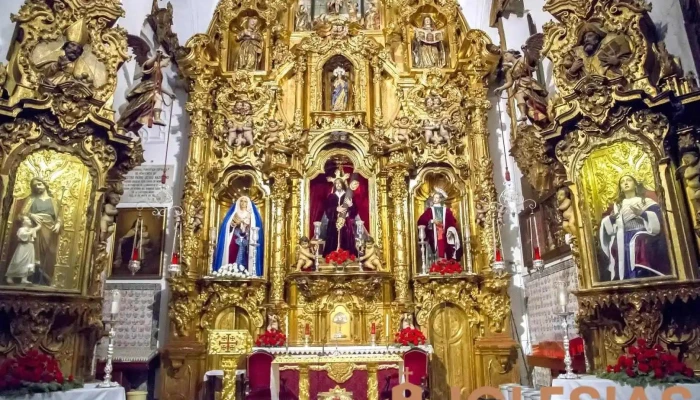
<point>240,244</point>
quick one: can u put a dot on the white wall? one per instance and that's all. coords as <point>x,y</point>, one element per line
<point>6,26</point>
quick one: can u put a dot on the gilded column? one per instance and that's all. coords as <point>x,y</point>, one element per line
<point>294,216</point>
<point>372,382</point>
<point>377,83</point>
<point>398,193</point>
<point>484,190</point>
<point>299,71</point>
<point>383,200</point>
<point>280,194</point>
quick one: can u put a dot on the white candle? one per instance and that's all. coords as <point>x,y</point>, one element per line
<point>563,296</point>
<point>115,302</point>
<point>286,326</point>
<point>387,326</point>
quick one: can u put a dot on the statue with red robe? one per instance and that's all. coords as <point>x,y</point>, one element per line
<point>442,232</point>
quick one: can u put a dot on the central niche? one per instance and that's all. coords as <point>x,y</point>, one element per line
<point>338,79</point>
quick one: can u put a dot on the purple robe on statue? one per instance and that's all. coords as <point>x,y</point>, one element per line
<point>346,236</point>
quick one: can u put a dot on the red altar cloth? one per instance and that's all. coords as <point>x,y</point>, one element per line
<point>320,382</point>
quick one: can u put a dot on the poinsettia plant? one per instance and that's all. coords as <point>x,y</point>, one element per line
<point>271,338</point>
<point>445,267</point>
<point>33,372</point>
<point>409,337</point>
<point>647,364</point>
<point>340,257</point>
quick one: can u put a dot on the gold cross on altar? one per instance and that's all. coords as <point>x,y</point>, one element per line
<point>337,393</point>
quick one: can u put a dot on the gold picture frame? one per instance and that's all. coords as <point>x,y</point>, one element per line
<point>153,249</point>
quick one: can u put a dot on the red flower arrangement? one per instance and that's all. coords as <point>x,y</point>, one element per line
<point>647,364</point>
<point>34,372</point>
<point>409,337</point>
<point>340,257</point>
<point>445,266</point>
<point>271,338</point>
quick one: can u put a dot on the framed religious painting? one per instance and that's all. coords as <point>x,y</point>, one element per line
<point>629,228</point>
<point>138,244</point>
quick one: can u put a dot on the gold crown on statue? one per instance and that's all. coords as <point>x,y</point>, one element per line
<point>77,32</point>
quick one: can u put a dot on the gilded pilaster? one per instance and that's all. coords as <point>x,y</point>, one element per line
<point>398,192</point>
<point>280,195</point>
<point>483,189</point>
<point>304,382</point>
<point>294,229</point>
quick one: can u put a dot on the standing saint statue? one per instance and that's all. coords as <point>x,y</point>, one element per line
<point>442,232</point>
<point>340,212</point>
<point>251,45</point>
<point>240,244</point>
<point>371,18</point>
<point>302,20</point>
<point>428,46</point>
<point>341,89</point>
<point>631,236</point>
<point>22,263</point>
<point>45,212</point>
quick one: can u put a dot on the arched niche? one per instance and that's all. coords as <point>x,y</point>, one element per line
<point>247,33</point>
<point>317,188</point>
<point>422,187</point>
<point>338,79</point>
<point>319,78</point>
<point>51,194</point>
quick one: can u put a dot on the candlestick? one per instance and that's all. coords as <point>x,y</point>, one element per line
<point>423,255</point>
<point>116,298</point>
<point>286,326</point>
<point>562,295</point>
<point>567,356</point>
<point>107,382</point>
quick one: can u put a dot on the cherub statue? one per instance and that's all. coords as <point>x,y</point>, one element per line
<point>109,214</point>
<point>431,132</point>
<point>445,130</point>
<point>530,95</point>
<point>305,258</point>
<point>145,99</point>
<point>274,131</point>
<point>240,128</point>
<point>371,257</point>
<point>402,130</point>
<point>565,207</point>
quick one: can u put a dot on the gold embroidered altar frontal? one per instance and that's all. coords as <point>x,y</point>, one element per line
<point>339,367</point>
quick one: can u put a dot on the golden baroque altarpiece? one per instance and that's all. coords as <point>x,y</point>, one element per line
<point>617,146</point>
<point>62,162</point>
<point>339,132</point>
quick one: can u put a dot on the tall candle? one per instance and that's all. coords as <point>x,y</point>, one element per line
<point>116,297</point>
<point>307,330</point>
<point>387,327</point>
<point>374,329</point>
<point>286,326</point>
<point>563,296</point>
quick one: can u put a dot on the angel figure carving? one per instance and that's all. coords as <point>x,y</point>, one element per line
<point>305,257</point>
<point>145,98</point>
<point>530,95</point>
<point>402,130</point>
<point>275,129</point>
<point>240,128</point>
<point>370,259</point>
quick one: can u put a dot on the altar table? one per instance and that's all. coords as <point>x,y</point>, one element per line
<point>345,363</point>
<point>622,392</point>
<point>89,392</point>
